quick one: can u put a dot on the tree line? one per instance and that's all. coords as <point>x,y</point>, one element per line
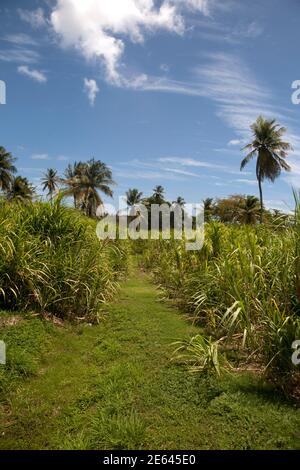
<point>85,182</point>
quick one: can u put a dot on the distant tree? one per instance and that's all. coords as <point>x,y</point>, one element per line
<point>248,210</point>
<point>156,198</point>
<point>20,189</point>
<point>208,206</point>
<point>50,182</point>
<point>7,169</point>
<point>71,182</point>
<point>85,181</point>
<point>158,195</point>
<point>226,209</point>
<point>176,222</point>
<point>133,197</point>
<point>270,152</point>
<point>179,202</point>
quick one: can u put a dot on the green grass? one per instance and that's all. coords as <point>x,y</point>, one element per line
<point>112,386</point>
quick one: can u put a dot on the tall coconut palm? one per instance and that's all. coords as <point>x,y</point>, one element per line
<point>7,169</point>
<point>85,182</point>
<point>270,152</point>
<point>97,177</point>
<point>20,189</point>
<point>50,182</point>
<point>248,210</point>
<point>71,182</point>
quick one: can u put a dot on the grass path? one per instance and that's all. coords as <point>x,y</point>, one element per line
<point>112,386</point>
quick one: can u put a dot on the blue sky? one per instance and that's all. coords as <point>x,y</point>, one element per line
<point>162,91</point>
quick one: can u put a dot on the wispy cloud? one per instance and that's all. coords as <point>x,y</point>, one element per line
<point>147,175</point>
<point>245,181</point>
<point>91,89</point>
<point>20,39</point>
<point>19,55</point>
<point>177,169</point>
<point>191,162</point>
<point>230,84</point>
<point>34,74</point>
<point>235,142</point>
<point>214,31</point>
<point>183,172</point>
<point>237,94</point>
<point>36,18</point>
<point>40,156</point>
<point>46,156</point>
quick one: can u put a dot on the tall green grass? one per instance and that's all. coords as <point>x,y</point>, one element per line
<point>51,261</point>
<point>243,287</point>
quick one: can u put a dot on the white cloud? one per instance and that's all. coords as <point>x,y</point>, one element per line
<point>235,142</point>
<point>201,5</point>
<point>40,156</point>
<point>91,89</point>
<point>94,28</point>
<point>35,18</point>
<point>245,181</point>
<point>190,162</point>
<point>182,172</point>
<point>32,73</point>
<point>147,175</point>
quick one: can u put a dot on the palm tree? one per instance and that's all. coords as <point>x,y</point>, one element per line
<point>208,207</point>
<point>84,181</point>
<point>71,181</point>
<point>50,182</point>
<point>270,152</point>
<point>20,189</point>
<point>248,210</point>
<point>133,197</point>
<point>7,169</point>
<point>179,202</point>
<point>158,195</point>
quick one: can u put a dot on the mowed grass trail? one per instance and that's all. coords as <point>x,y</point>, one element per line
<point>112,386</point>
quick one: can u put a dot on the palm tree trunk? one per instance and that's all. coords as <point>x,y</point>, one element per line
<point>261,199</point>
